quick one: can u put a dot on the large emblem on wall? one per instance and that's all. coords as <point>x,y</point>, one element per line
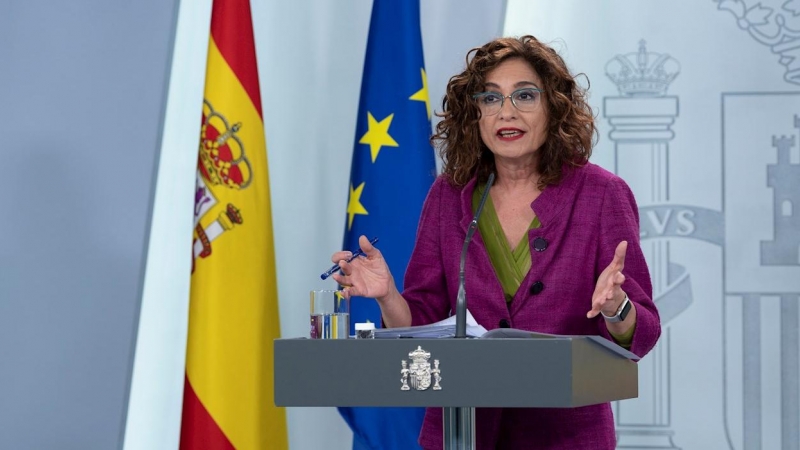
<point>758,231</point>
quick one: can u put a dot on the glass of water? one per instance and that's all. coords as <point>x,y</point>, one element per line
<point>330,315</point>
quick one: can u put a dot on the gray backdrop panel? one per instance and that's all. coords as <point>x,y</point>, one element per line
<point>82,90</point>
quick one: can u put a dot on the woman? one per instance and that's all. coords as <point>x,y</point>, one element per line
<point>558,243</point>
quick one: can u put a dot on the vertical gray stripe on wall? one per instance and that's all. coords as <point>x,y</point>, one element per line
<point>790,371</point>
<point>751,370</point>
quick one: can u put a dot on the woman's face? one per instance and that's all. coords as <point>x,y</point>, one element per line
<point>511,134</point>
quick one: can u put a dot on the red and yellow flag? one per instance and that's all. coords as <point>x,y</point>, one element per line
<point>233,313</point>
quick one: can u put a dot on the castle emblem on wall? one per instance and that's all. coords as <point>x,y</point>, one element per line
<point>784,248</point>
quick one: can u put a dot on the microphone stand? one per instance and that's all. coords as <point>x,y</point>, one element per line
<point>461,299</point>
<point>459,422</point>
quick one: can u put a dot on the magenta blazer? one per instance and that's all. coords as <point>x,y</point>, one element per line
<point>582,221</point>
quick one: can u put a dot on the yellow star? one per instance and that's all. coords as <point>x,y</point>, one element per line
<point>378,135</point>
<point>422,94</point>
<point>354,205</point>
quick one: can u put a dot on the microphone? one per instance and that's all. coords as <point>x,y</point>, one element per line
<point>461,299</point>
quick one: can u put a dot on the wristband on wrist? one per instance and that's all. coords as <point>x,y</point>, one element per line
<point>622,311</point>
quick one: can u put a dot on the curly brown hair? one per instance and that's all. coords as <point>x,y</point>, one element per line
<point>570,131</point>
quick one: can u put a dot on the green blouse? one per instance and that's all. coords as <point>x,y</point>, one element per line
<point>510,265</point>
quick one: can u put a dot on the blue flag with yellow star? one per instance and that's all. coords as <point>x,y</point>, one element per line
<point>393,168</point>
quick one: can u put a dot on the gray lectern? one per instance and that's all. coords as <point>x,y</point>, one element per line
<point>455,374</point>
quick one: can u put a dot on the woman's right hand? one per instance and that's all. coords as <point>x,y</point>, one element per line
<point>365,276</point>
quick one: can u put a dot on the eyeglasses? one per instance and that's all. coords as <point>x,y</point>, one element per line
<point>524,99</point>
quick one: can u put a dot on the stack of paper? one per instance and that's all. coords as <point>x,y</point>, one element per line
<point>442,329</point>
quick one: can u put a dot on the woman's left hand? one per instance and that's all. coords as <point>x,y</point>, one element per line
<point>608,293</point>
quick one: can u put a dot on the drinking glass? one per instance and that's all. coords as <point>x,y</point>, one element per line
<point>330,315</point>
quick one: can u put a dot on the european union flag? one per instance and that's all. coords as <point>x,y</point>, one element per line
<point>393,168</point>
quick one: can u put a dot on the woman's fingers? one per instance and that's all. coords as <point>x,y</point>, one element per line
<point>350,291</point>
<point>367,247</point>
<point>342,276</point>
<point>339,278</point>
<point>345,267</point>
<point>338,256</point>
<point>606,295</point>
<point>364,276</point>
<point>596,307</point>
<point>610,281</point>
<point>598,301</point>
<point>619,255</point>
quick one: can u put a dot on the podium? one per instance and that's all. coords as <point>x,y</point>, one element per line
<point>458,375</point>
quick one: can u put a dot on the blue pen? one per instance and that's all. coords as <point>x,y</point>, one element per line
<point>356,254</point>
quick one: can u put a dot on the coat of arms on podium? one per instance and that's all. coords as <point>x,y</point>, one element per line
<point>419,373</point>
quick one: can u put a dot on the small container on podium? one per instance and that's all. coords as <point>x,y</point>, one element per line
<point>365,330</point>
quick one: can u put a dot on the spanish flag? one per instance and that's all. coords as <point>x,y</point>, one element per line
<point>233,312</point>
